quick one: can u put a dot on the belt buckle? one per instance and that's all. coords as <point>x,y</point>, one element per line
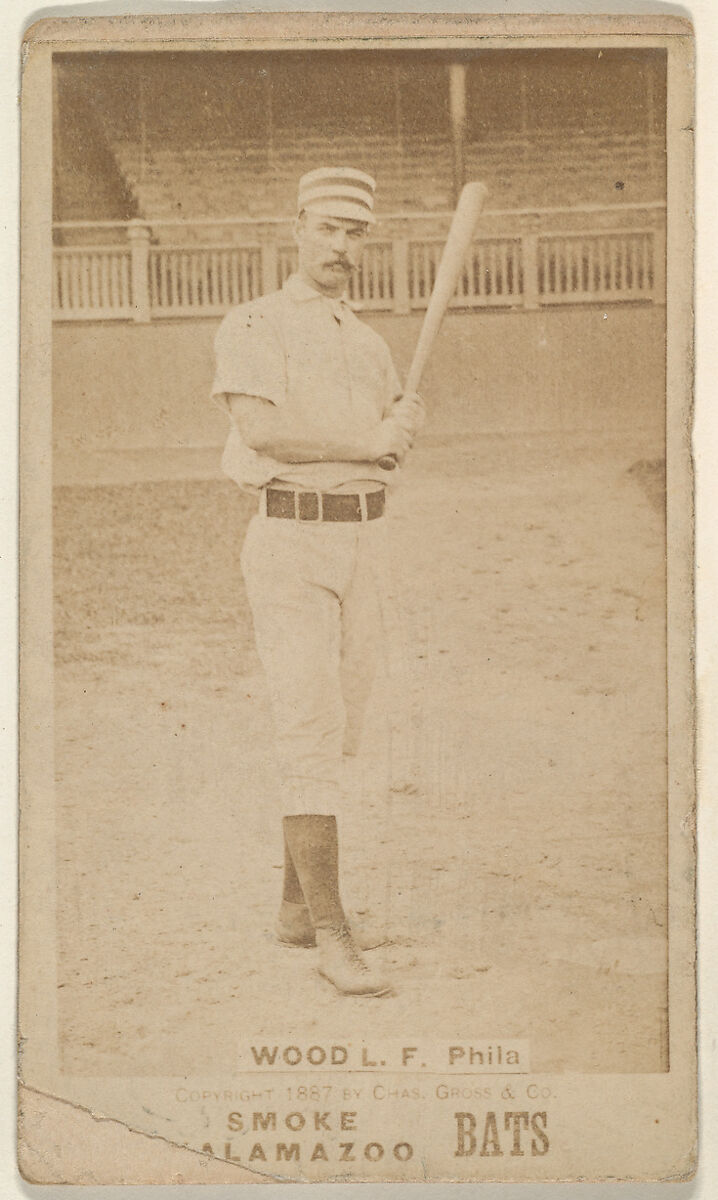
<point>308,506</point>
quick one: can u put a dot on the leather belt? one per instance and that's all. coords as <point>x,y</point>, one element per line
<point>324,506</point>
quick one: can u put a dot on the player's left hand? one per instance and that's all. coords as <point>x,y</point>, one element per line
<point>409,412</point>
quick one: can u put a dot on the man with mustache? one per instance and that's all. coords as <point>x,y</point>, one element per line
<point>315,403</point>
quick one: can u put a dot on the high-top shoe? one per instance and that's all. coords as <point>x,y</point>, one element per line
<point>342,964</point>
<point>295,928</point>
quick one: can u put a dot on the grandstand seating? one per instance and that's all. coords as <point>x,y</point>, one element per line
<point>255,180</point>
<point>183,143</point>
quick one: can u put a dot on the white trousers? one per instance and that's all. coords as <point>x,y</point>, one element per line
<point>314,591</point>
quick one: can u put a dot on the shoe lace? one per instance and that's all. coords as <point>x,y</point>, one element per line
<point>344,936</point>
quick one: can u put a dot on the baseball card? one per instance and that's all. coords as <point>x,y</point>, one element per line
<point>357,701</point>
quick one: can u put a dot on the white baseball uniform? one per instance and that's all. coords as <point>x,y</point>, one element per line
<point>313,585</point>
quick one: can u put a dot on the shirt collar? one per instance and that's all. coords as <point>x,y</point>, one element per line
<point>298,290</point>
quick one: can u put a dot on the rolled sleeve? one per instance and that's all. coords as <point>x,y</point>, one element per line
<point>250,358</point>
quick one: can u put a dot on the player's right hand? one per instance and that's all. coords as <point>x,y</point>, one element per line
<point>410,412</point>
<point>389,438</point>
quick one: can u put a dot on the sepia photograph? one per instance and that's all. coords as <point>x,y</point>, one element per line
<point>365,637</point>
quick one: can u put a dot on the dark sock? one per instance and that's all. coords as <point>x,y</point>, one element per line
<point>314,849</point>
<point>292,890</point>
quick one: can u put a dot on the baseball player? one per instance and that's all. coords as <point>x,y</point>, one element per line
<point>315,403</point>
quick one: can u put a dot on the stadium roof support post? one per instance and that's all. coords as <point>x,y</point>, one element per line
<point>457,111</point>
<point>269,108</point>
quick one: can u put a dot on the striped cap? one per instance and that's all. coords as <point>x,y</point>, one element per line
<point>338,192</point>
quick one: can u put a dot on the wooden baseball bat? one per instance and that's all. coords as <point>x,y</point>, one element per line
<point>461,231</point>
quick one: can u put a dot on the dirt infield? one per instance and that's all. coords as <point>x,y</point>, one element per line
<point>522,876</point>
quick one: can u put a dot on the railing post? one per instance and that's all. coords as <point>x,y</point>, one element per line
<point>400,272</point>
<point>529,259</point>
<point>269,265</point>
<point>659,262</point>
<point>138,235</point>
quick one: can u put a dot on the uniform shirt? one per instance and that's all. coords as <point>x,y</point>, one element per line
<point>312,357</point>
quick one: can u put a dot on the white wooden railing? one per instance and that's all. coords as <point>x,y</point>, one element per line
<point>92,281</point>
<point>529,264</point>
<point>185,282</point>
